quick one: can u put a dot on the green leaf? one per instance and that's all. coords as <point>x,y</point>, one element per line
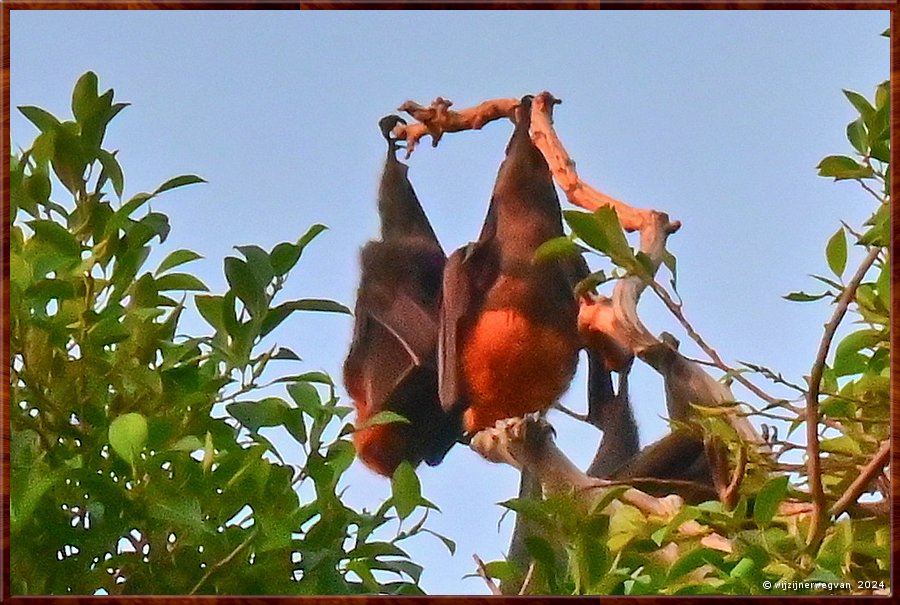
<point>317,304</point>
<point>558,247</point>
<point>189,443</point>
<point>881,152</point>
<point>44,147</point>
<point>842,167</point>
<point>406,491</point>
<point>25,501</point>
<point>543,554</point>
<point>859,340</point>
<point>376,549</point>
<point>19,271</point>
<point>847,357</point>
<point>836,252</point>
<point>128,435</point>
<point>153,224</point>
<point>70,157</point>
<point>84,96</point>
<point>448,543</point>
<point>278,314</point>
<point>181,512</point>
<point>862,105</point>
<point>620,252</point>
<point>310,235</point>
<point>883,285</point>
<point>179,257</point>
<point>259,263</point>
<point>257,414</point>
<point>244,284</point>
<point>293,421</point>
<point>857,135</point>
<point>210,308</point>
<point>840,445</point>
<point>883,94</point>
<point>44,120</point>
<point>647,267</point>
<point>584,225</point>
<point>283,257</point>
<point>57,236</point>
<point>306,396</point>
<point>499,570</point>
<point>383,417</point>
<point>768,499</point>
<point>836,547</point>
<point>37,186</point>
<point>120,219</point>
<point>112,170</point>
<point>589,283</point>
<point>693,559</point>
<point>287,354</point>
<point>744,567</point>
<point>108,331</point>
<point>178,181</point>
<point>180,281</point>
<point>804,297</point>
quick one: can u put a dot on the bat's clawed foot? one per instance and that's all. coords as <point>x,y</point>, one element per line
<point>513,440</point>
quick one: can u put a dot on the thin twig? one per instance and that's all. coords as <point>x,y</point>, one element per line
<point>870,190</point>
<point>737,477</point>
<point>675,308</point>
<point>813,463</point>
<point>527,579</point>
<point>482,571</point>
<point>865,477</point>
<point>224,561</point>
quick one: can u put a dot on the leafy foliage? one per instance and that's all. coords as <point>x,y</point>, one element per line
<point>138,462</point>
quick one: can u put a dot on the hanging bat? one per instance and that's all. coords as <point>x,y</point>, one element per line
<point>508,328</point>
<point>391,364</point>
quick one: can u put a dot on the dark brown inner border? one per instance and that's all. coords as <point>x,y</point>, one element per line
<point>11,5</point>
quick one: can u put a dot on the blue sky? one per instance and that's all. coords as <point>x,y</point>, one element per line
<point>718,118</point>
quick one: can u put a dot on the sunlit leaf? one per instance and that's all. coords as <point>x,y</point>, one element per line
<point>769,498</point>
<point>836,252</point>
<point>406,491</point>
<point>178,181</point>
<point>178,257</point>
<point>128,435</point>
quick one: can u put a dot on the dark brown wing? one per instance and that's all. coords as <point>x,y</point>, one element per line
<point>414,326</point>
<point>395,327</point>
<point>469,273</point>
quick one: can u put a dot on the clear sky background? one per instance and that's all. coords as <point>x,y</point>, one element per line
<point>718,118</point>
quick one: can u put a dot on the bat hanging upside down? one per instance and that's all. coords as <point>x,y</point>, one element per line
<point>508,333</point>
<point>392,360</point>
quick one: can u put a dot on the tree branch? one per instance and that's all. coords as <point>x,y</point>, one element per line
<point>874,467</point>
<point>224,561</point>
<point>482,572</point>
<point>814,463</point>
<point>438,118</point>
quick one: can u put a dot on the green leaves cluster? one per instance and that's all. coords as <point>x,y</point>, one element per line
<point>869,134</point>
<point>614,548</point>
<point>140,461</point>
